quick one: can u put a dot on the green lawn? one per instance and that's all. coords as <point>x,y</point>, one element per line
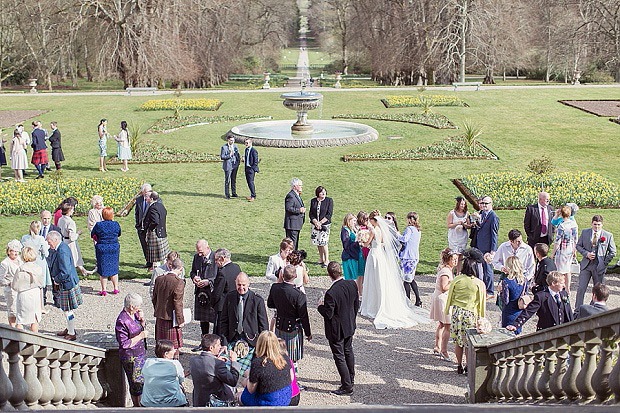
<point>518,125</point>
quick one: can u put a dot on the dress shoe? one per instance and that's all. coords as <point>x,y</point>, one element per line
<point>71,337</point>
<point>341,392</point>
<point>250,199</point>
<point>63,333</point>
<point>235,196</point>
<point>147,265</point>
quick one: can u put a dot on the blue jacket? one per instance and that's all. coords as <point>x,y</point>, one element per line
<point>251,159</point>
<point>62,268</point>
<point>487,233</point>
<point>38,139</point>
<point>411,241</point>
<point>350,249</point>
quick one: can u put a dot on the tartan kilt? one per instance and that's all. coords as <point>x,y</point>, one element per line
<point>70,299</point>
<point>294,342</point>
<point>164,330</point>
<point>39,157</point>
<point>157,248</point>
<point>246,361</point>
<point>204,312</point>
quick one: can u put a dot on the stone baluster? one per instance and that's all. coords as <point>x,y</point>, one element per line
<point>6,388</point>
<point>600,378</point>
<point>614,376</point>
<point>569,381</point>
<point>90,389</point>
<point>584,378</point>
<point>65,373</point>
<point>34,391</point>
<point>527,373</point>
<point>550,361</point>
<point>555,383</point>
<point>94,379</point>
<point>538,367</point>
<point>492,378</point>
<point>43,374</point>
<point>510,371</point>
<point>55,377</point>
<point>80,389</point>
<point>20,387</point>
<point>513,387</point>
<point>499,376</point>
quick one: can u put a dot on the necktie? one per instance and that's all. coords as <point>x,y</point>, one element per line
<point>44,233</point>
<point>247,156</point>
<point>558,301</point>
<point>594,239</point>
<point>543,221</point>
<point>240,315</point>
<point>483,215</point>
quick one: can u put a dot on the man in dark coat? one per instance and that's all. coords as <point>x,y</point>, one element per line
<point>203,273</point>
<point>294,211</point>
<point>141,207</point>
<point>224,283</point>
<point>55,142</point>
<point>543,268</point>
<point>537,221</point>
<point>155,226</point>
<point>600,294</point>
<point>250,161</point>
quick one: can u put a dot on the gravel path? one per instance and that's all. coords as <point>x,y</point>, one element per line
<point>393,366</point>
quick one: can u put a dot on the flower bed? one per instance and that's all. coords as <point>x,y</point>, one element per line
<point>151,152</point>
<point>181,104</point>
<point>418,101</point>
<point>511,190</point>
<point>171,123</point>
<point>32,197</point>
<point>451,148</point>
<point>434,120</point>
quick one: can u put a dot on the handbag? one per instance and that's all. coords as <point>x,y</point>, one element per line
<point>525,299</point>
<point>214,401</point>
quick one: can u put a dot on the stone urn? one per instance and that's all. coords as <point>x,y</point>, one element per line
<point>266,78</point>
<point>302,102</point>
<point>338,79</point>
<point>33,85</point>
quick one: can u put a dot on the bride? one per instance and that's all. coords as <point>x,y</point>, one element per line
<point>383,296</point>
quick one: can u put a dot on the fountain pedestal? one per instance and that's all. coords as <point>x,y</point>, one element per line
<point>302,102</point>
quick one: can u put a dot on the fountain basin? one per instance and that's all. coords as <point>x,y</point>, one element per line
<point>325,133</point>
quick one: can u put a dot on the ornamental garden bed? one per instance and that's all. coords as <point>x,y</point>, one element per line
<point>151,152</point>
<point>422,100</point>
<point>451,148</point>
<point>595,107</point>
<point>10,118</point>
<point>173,123</point>
<point>181,104</point>
<point>31,197</point>
<point>511,190</point>
<point>434,120</point>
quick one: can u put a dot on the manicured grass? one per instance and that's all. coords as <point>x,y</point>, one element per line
<point>518,125</point>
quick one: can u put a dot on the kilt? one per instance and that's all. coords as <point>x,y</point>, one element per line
<point>294,342</point>
<point>157,248</point>
<point>57,155</point>
<point>164,330</point>
<point>244,361</point>
<point>70,299</point>
<point>40,157</point>
<point>203,312</point>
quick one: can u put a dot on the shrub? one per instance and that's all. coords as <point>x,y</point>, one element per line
<point>433,120</point>
<point>181,104</point>
<point>540,166</point>
<point>151,152</point>
<point>471,132</point>
<point>422,101</point>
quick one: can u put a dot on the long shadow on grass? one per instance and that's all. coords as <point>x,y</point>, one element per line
<point>79,168</point>
<point>255,259</point>
<point>185,193</point>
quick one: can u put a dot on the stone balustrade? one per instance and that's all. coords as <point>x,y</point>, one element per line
<point>569,363</point>
<point>47,371</point>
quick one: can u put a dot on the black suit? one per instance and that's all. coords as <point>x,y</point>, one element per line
<point>543,268</point>
<point>251,167</point>
<point>532,225</point>
<point>204,268</point>
<point>339,310</point>
<point>293,217</point>
<point>155,219</point>
<point>587,310</point>
<point>225,282</point>
<point>546,308</point>
<point>57,155</point>
<point>291,307</point>
<point>140,213</point>
<point>254,318</point>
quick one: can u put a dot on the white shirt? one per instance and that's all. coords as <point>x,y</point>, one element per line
<point>26,137</point>
<point>524,253</point>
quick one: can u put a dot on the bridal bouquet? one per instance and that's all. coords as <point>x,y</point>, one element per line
<point>363,235</point>
<point>483,325</point>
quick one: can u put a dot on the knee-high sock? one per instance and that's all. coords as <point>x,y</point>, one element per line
<point>407,288</point>
<point>70,322</point>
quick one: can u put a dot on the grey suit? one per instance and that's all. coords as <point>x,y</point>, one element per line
<point>594,269</point>
<point>293,217</point>
<point>230,165</point>
<point>590,309</point>
<point>210,376</point>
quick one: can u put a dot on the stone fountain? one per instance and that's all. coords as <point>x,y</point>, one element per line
<point>302,102</point>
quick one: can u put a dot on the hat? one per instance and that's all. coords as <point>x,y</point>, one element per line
<point>573,208</point>
<point>15,245</point>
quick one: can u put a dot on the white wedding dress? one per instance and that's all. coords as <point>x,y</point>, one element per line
<point>383,297</point>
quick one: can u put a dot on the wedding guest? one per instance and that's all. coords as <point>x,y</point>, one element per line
<point>458,224</point>
<point>362,235</point>
<point>321,209</point>
<point>26,139</point>
<point>168,306</point>
<point>565,245</point>
<point>296,259</point>
<point>39,154</point>
<point>600,294</point>
<point>95,213</point>
<point>102,130</point>
<point>351,251</point>
<point>162,378</point>
<point>449,261</point>
<point>19,162</point>
<point>27,285</point>
<point>390,217</point>
<point>155,226</point>
<point>107,249</point>
<point>130,332</point>
<point>295,391</point>
<point>2,153</point>
<point>164,269</point>
<point>467,300</point>
<point>269,383</point>
<point>513,286</point>
<point>8,269</point>
<point>278,261</point>
<point>39,245</point>
<point>410,255</point>
<point>124,148</point>
<point>142,204</point>
<point>203,274</point>
<point>544,266</point>
<point>58,211</point>
<point>294,211</point>
<point>225,282</point>
<point>70,236</point>
<point>55,142</point>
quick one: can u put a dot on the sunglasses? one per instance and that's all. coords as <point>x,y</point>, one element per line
<point>389,218</point>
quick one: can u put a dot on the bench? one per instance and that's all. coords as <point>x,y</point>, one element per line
<point>141,89</point>
<point>457,84</point>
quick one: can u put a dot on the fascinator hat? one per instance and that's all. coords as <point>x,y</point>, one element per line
<point>14,245</point>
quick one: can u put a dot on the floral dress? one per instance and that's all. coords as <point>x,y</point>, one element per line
<point>566,244</point>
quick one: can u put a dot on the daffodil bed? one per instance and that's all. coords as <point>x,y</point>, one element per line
<point>434,120</point>
<point>417,101</point>
<point>451,148</point>
<point>151,152</point>
<point>181,104</point>
<point>33,196</point>
<point>511,190</point>
<point>172,123</point>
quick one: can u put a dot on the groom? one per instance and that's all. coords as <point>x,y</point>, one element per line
<point>339,308</point>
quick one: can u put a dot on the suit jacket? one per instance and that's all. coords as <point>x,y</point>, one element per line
<point>605,250</point>
<point>51,228</point>
<point>486,236</point>
<point>140,211</point>
<point>251,159</point>
<point>532,224</point>
<point>168,296</point>
<point>225,282</point>
<point>543,268</point>
<point>546,308</point>
<point>230,160</point>
<point>155,219</point>
<point>210,376</point>
<point>254,317</point>
<point>293,218</point>
<point>62,268</point>
<point>587,310</point>
<point>55,139</point>
<point>339,309</point>
<point>38,139</point>
<point>327,208</point>
<point>291,307</point>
